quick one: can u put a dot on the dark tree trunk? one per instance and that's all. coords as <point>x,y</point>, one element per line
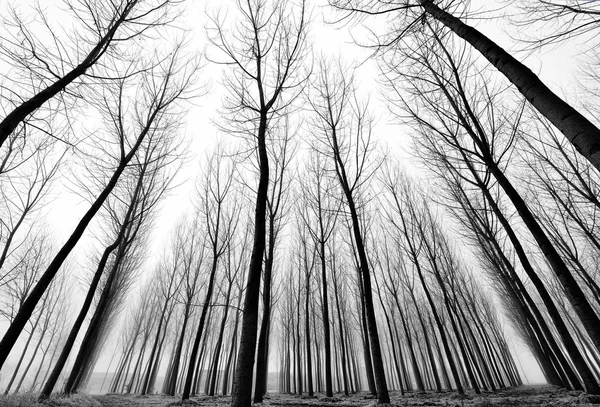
<point>231,349</point>
<point>217,352</point>
<point>582,133</point>
<point>310,388</point>
<point>86,349</point>
<point>209,291</point>
<point>171,386</point>
<point>260,387</point>
<point>366,345</point>
<point>436,378</point>
<point>242,393</point>
<point>326,326</point>
<point>87,303</point>
<point>26,309</point>
<point>587,377</point>
<point>25,348</point>
<point>20,113</point>
<point>342,336</point>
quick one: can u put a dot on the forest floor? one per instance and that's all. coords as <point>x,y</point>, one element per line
<point>525,396</point>
<point>541,395</point>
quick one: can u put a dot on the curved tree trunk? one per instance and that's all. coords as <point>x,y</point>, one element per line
<point>242,392</point>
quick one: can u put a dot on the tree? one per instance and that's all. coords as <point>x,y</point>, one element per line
<point>191,246</point>
<point>478,136</point>
<point>265,49</point>
<point>220,217</point>
<point>406,215</point>
<point>579,130</point>
<point>159,93</point>
<point>53,66</point>
<point>167,287</point>
<point>346,141</point>
<point>553,22</point>
<point>130,212</point>
<point>281,151</point>
<point>320,212</point>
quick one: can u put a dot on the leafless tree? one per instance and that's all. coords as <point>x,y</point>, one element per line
<point>319,211</point>
<point>282,148</point>
<point>407,17</point>
<point>46,315</point>
<point>346,142</point>
<point>130,213</point>
<point>475,136</point>
<point>220,215</point>
<point>551,22</point>
<point>159,92</point>
<point>46,66</point>
<point>189,240</point>
<point>265,49</point>
<point>26,174</point>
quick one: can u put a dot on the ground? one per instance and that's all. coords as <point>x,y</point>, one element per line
<point>526,396</point>
<point>522,396</point>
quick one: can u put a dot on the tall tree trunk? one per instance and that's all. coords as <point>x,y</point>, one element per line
<point>217,352</point>
<point>262,362</point>
<point>436,378</point>
<point>588,379</point>
<point>29,338</point>
<point>576,297</point>
<point>232,348</point>
<point>33,355</point>
<point>582,133</point>
<point>209,291</point>
<point>366,345</point>
<point>342,336</point>
<point>378,369</point>
<point>87,303</point>
<point>242,393</point>
<point>172,383</point>
<point>326,326</point>
<point>459,340</point>
<point>310,388</point>
<point>86,349</point>
<point>27,307</point>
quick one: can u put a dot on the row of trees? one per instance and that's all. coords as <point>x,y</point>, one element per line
<point>346,246</point>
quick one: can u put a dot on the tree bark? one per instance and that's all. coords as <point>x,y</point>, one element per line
<point>581,132</point>
<point>242,393</point>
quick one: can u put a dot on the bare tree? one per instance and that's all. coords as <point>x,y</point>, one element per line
<point>347,144</point>
<point>281,151</point>
<point>556,22</point>
<point>191,242</point>
<point>159,92</point>
<point>29,262</point>
<point>320,210</point>
<point>26,175</point>
<point>478,137</point>
<point>408,16</point>
<point>266,48</point>
<point>53,62</point>
<point>219,214</point>
<point>130,212</point>
<point>46,314</point>
<point>168,287</point>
